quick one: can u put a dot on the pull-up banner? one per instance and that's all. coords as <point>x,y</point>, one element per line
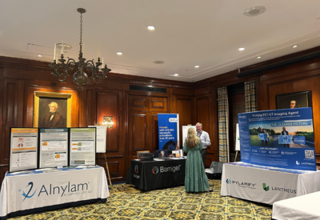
<point>168,126</point>
<point>279,138</point>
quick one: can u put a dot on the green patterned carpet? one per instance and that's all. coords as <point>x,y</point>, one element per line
<point>126,202</point>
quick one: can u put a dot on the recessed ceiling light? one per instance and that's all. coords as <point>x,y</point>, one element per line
<point>258,57</point>
<point>294,46</point>
<point>119,53</point>
<point>254,11</point>
<point>151,28</point>
<point>197,66</point>
<point>158,62</point>
<point>39,55</point>
<point>176,74</point>
<point>241,49</point>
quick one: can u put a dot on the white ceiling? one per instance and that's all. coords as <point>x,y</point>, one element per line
<point>207,33</point>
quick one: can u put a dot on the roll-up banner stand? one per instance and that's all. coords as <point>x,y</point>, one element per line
<point>168,126</point>
<point>23,149</point>
<point>82,146</point>
<point>53,147</point>
<point>279,138</point>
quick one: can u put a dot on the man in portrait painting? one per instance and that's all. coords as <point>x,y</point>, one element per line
<point>293,103</point>
<point>53,119</point>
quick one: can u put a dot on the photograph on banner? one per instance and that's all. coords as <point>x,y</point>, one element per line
<point>168,128</point>
<point>280,138</point>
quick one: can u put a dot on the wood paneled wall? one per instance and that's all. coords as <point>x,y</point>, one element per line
<point>135,112</point>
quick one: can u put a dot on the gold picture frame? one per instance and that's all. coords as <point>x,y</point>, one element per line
<point>62,97</point>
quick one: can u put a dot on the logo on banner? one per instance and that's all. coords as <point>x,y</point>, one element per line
<point>136,169</point>
<point>297,162</point>
<point>155,170</point>
<point>29,192</point>
<point>228,181</point>
<point>265,187</point>
<point>173,120</point>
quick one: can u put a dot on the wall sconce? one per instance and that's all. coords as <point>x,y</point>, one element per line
<point>107,120</point>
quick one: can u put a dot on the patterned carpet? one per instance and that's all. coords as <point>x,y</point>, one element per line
<point>126,202</point>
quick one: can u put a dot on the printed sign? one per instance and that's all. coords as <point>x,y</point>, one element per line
<point>168,126</point>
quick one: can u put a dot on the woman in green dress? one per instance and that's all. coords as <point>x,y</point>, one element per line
<point>196,179</point>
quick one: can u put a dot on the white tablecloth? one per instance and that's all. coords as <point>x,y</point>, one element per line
<point>243,181</point>
<point>299,208</point>
<point>27,191</point>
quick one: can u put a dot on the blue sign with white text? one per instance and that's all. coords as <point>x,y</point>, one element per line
<point>168,126</point>
<point>281,138</point>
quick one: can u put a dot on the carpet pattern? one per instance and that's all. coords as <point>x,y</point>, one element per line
<point>126,202</point>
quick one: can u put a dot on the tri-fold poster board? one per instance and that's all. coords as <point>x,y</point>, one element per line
<point>32,148</point>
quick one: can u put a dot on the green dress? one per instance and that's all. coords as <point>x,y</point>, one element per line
<point>196,179</point>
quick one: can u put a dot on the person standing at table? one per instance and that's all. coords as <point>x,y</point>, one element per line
<point>196,179</point>
<point>205,140</point>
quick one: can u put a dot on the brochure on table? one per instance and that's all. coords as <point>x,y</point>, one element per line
<point>185,129</point>
<point>23,149</point>
<point>82,146</point>
<point>168,126</point>
<point>101,137</point>
<point>279,138</point>
<point>53,147</point>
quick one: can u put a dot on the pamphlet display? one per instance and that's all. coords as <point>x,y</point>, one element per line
<point>237,138</point>
<point>279,138</point>
<point>53,147</point>
<point>82,147</point>
<point>23,149</point>
<point>101,138</point>
<point>185,129</point>
<point>168,126</point>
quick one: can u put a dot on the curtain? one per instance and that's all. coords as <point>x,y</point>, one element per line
<point>223,124</point>
<point>250,96</point>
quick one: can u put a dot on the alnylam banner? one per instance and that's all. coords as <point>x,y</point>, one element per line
<point>168,126</point>
<point>279,138</point>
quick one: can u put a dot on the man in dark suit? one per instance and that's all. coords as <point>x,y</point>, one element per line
<point>285,132</point>
<point>53,119</point>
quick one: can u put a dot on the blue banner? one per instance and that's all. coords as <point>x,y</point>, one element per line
<point>168,126</point>
<point>279,138</point>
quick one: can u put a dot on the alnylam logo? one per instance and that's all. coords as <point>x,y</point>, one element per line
<point>27,195</point>
<point>265,187</point>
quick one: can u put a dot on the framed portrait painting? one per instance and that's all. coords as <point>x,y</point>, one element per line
<point>52,110</point>
<point>294,100</point>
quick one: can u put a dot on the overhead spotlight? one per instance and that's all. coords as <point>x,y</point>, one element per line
<point>258,57</point>
<point>241,49</point>
<point>151,28</point>
<point>119,53</point>
<point>294,46</point>
<point>254,11</point>
<point>176,74</point>
<point>197,66</point>
<point>39,55</point>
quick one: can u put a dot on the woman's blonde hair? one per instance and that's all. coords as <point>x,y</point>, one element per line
<point>192,139</point>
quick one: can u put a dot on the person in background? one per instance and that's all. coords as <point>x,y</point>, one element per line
<point>196,179</point>
<point>293,103</point>
<point>205,140</point>
<point>262,141</point>
<point>267,138</point>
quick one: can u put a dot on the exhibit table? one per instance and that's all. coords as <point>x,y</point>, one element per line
<point>266,184</point>
<point>49,189</point>
<point>301,207</point>
<point>150,175</point>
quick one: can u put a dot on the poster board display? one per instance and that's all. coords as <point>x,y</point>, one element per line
<point>23,149</point>
<point>101,138</point>
<point>82,146</point>
<point>267,138</point>
<point>168,127</point>
<point>185,129</point>
<point>53,147</point>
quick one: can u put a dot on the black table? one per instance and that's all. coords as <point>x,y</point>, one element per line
<point>150,175</point>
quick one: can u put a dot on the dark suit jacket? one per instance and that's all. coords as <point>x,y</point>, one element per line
<point>57,122</point>
<point>284,133</point>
